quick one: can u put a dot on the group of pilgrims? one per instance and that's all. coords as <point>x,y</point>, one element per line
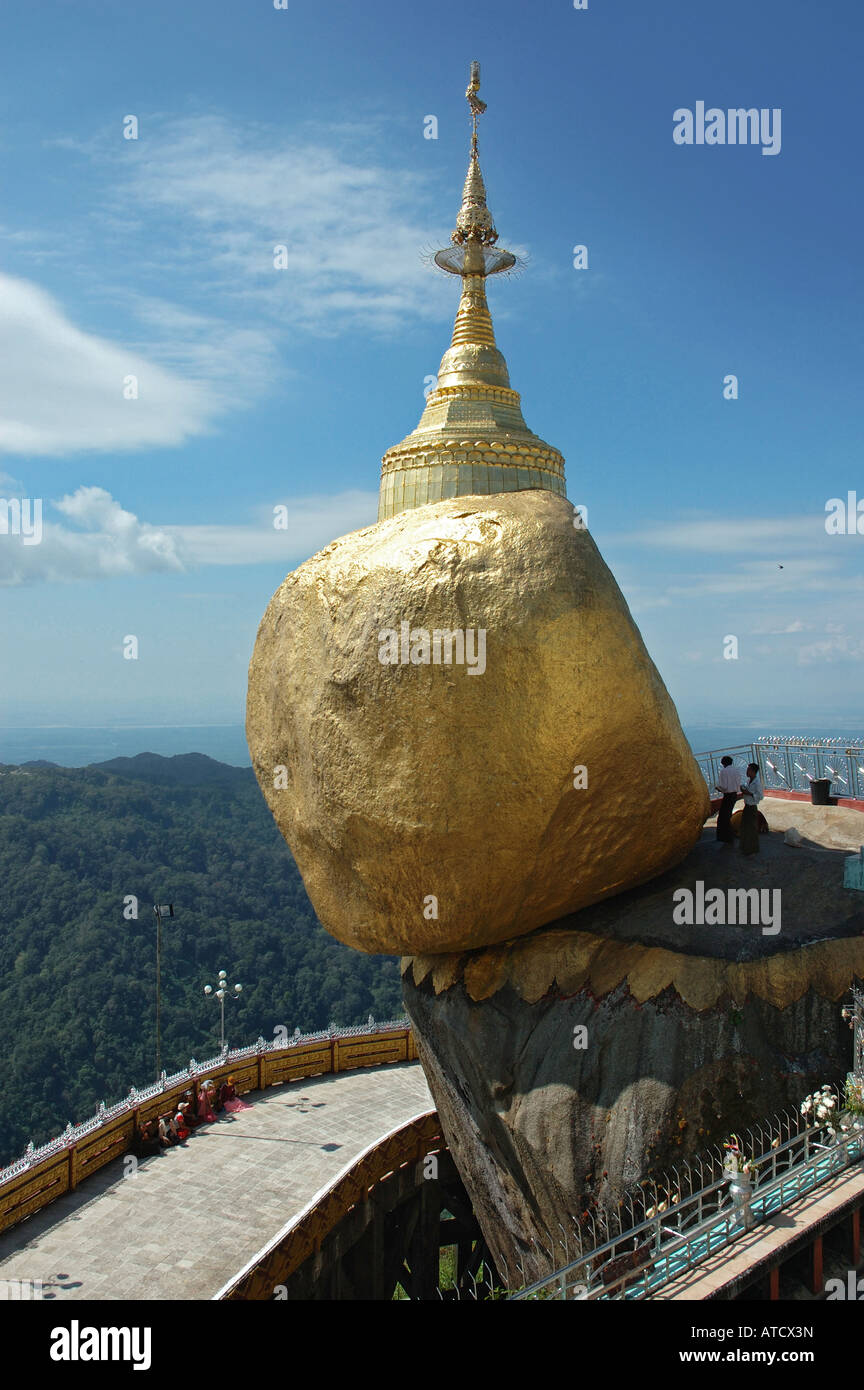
<point>152,1136</point>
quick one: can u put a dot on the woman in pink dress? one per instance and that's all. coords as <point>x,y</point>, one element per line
<point>205,1104</point>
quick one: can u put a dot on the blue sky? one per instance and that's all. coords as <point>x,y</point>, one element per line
<point>259,387</point>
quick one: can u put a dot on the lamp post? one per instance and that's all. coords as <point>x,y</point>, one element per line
<point>222,993</point>
<point>158,909</point>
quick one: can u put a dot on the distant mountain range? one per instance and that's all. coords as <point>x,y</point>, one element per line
<point>181,770</point>
<point>81,847</point>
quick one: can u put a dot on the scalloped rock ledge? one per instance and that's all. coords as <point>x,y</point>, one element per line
<point>569,961</point>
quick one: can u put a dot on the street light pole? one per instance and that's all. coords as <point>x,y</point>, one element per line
<point>221,994</point>
<point>158,910</point>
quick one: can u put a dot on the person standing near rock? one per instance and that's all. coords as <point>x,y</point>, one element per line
<point>752,793</point>
<point>729,783</point>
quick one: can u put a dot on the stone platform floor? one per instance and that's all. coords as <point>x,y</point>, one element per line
<point>814,903</point>
<point>192,1217</point>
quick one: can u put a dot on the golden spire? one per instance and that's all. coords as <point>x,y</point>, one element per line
<point>474,222</point>
<point>472,395</point>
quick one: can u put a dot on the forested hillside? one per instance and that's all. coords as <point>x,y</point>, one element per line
<point>77,980</point>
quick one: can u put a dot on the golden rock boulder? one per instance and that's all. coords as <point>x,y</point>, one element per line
<point>459,731</point>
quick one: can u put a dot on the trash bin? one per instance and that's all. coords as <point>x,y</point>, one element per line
<point>820,791</point>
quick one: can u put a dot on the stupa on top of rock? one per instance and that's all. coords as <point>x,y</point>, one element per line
<point>423,691</point>
<point>471,439</point>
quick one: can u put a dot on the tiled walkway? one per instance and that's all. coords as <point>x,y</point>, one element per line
<point>190,1218</point>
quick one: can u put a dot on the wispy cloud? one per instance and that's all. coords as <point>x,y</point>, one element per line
<point>352,222</point>
<point>769,558</point>
<point>63,389</point>
<point>178,237</point>
<point>786,631</point>
<point>311,523</point>
<point>232,363</point>
<point>766,579</point>
<point>103,541</point>
<point>831,650</point>
<point>99,539</point>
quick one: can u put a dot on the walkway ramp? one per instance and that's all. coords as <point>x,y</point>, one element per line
<point>192,1217</point>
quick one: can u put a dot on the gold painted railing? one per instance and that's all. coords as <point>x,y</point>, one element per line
<point>26,1186</point>
<point>302,1237</point>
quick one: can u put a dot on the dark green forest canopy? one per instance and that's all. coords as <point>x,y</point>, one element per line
<point>77,989</point>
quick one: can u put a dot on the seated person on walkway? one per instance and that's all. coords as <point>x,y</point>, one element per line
<point>180,1121</point>
<point>167,1131</point>
<point>230,1099</point>
<point>191,1109</point>
<point>145,1141</point>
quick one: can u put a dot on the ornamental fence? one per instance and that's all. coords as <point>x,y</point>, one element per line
<point>793,764</point>
<point>665,1227</point>
<point>45,1173</point>
<point>679,1221</point>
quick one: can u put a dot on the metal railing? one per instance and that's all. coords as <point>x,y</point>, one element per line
<point>679,1230</point>
<point>793,763</point>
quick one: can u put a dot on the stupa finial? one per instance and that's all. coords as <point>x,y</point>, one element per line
<point>477,106</point>
<point>474,235</point>
<point>471,438</point>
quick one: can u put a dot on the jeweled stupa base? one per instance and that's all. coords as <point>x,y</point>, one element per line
<point>404,488</point>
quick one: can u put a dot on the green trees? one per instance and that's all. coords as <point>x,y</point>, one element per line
<point>77,987</point>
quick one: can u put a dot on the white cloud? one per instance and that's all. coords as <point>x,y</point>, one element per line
<point>312,523</point>
<point>832,650</point>
<point>353,222</point>
<point>796,626</point>
<point>767,558</point>
<point>765,581</point>
<point>101,540</point>
<point>106,541</point>
<point>180,243</point>
<point>761,577</point>
<point>239,362</point>
<point>63,388</point>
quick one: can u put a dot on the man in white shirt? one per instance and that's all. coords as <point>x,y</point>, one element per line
<point>752,792</point>
<point>729,783</point>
